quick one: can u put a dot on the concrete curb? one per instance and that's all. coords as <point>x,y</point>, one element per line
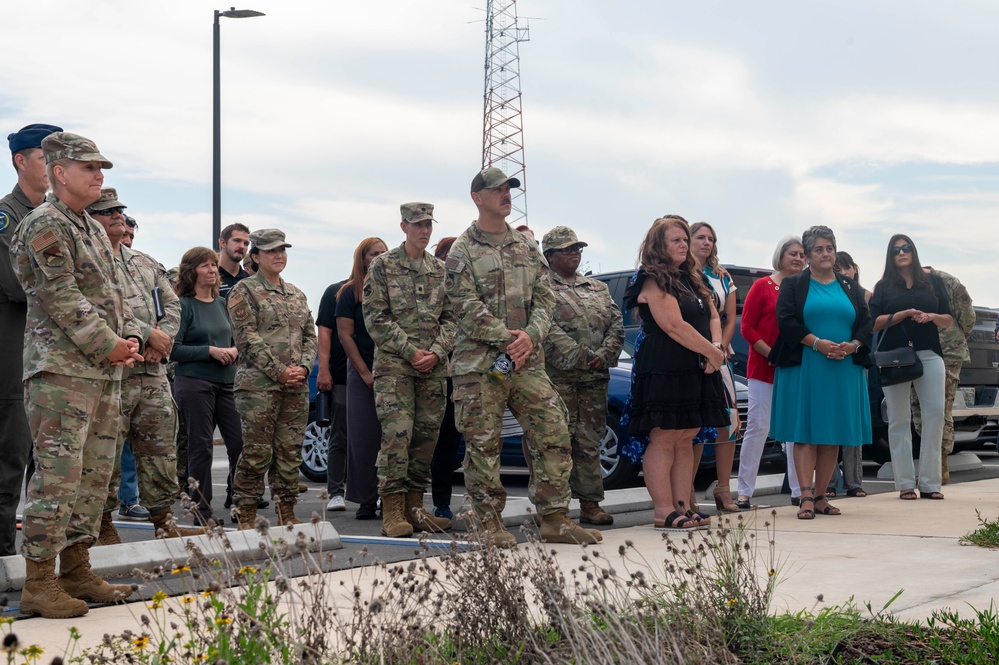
<point>110,561</point>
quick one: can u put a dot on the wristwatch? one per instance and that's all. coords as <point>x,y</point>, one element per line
<point>717,345</point>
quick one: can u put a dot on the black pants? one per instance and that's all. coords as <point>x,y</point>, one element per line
<point>364,439</point>
<point>203,406</point>
<point>15,437</point>
<point>444,464</point>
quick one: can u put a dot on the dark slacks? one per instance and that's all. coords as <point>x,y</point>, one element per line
<point>336,460</point>
<point>364,439</point>
<point>203,406</point>
<point>15,436</point>
<point>444,464</point>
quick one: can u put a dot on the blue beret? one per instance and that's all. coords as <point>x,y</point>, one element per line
<point>30,136</point>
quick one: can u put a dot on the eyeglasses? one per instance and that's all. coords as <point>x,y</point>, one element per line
<point>567,251</point>
<point>108,211</point>
<point>907,248</point>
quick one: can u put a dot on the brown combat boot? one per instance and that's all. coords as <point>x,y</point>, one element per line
<point>492,532</point>
<point>394,523</point>
<point>108,534</point>
<point>164,522</point>
<point>590,512</point>
<point>421,520</point>
<point>286,512</point>
<point>245,516</point>
<point>43,596</point>
<point>78,580</point>
<point>558,528</point>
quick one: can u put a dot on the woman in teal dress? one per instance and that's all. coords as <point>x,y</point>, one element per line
<point>820,390</point>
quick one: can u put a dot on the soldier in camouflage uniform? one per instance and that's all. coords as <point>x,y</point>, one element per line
<point>75,345</point>
<point>954,344</point>
<point>503,307</point>
<point>408,315</point>
<point>15,437</point>
<point>584,342</point>
<point>276,339</point>
<point>148,412</point>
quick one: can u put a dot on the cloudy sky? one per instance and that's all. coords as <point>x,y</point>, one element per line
<point>761,117</point>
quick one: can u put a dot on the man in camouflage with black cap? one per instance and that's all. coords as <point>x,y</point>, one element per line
<point>15,437</point>
<point>79,334</point>
<point>503,307</point>
<point>148,413</point>
<point>584,342</point>
<point>408,315</point>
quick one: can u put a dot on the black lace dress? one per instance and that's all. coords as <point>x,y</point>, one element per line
<point>671,390</point>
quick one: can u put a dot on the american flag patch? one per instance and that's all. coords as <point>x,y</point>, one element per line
<point>44,241</point>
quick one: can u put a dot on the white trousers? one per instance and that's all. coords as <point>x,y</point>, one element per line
<point>930,389</point>
<point>755,438</point>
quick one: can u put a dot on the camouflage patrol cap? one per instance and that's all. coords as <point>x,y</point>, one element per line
<point>109,199</point>
<point>417,212</point>
<point>268,239</point>
<point>30,136</point>
<point>559,238</point>
<point>65,145</point>
<point>491,178</point>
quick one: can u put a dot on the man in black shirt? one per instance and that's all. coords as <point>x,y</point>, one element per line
<point>233,243</point>
<point>333,376</point>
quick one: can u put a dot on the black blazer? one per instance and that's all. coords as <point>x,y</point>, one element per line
<point>787,350</point>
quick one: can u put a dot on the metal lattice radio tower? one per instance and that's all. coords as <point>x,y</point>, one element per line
<point>502,114</point>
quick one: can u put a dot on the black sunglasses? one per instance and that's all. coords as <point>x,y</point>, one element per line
<point>108,212</point>
<point>907,248</point>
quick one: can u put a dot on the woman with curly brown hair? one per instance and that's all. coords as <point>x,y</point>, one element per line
<point>205,354</point>
<point>677,388</point>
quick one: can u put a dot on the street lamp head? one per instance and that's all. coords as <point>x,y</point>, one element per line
<point>240,13</point>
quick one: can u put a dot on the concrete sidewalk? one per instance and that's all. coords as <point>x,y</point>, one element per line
<point>879,546</point>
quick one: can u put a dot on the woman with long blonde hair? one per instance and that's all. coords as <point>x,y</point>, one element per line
<point>364,433</point>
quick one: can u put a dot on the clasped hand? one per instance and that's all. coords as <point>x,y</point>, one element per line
<point>424,361</point>
<point>292,375</point>
<point>520,348</point>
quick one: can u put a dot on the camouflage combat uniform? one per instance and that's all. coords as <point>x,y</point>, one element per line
<point>15,437</point>
<point>495,288</point>
<point>149,414</point>
<point>273,329</point>
<point>76,314</point>
<point>954,344</point>
<point>587,324</point>
<point>405,310</point>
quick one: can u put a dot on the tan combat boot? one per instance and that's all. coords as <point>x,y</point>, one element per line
<point>43,596</point>
<point>394,524</point>
<point>558,528</point>
<point>78,580</point>
<point>165,522</point>
<point>108,534</point>
<point>286,512</point>
<point>245,516</point>
<point>421,520</point>
<point>493,533</point>
<point>590,512</point>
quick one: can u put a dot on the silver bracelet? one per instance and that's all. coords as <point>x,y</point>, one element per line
<point>815,345</point>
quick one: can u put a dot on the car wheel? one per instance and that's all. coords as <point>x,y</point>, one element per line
<point>617,471</point>
<point>315,448</point>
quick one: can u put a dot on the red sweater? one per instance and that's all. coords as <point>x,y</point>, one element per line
<point>759,321</point>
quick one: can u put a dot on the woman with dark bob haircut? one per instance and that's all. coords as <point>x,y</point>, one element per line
<point>205,354</point>
<point>918,306</point>
<point>820,401</point>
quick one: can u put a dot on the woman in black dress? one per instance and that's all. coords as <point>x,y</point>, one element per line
<point>677,388</point>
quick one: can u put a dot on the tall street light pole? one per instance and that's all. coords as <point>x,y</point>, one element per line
<point>217,126</point>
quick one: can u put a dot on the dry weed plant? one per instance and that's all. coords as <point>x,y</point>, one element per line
<point>465,604</point>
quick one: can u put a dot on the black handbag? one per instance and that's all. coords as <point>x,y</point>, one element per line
<point>898,365</point>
